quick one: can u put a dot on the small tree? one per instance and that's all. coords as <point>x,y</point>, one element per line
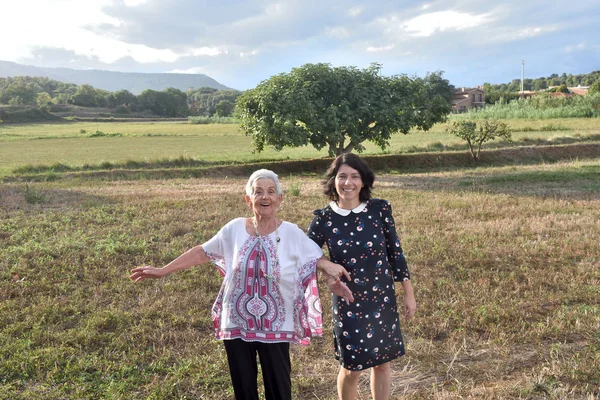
<point>224,108</point>
<point>559,89</point>
<point>43,101</point>
<point>477,136</point>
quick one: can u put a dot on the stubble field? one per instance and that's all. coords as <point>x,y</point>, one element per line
<point>505,263</point>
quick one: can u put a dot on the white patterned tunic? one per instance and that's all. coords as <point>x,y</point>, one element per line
<point>260,299</point>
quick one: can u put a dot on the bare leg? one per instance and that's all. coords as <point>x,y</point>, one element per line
<point>347,384</point>
<point>381,380</point>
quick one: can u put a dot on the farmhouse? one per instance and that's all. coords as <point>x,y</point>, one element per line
<point>467,98</point>
<point>580,90</point>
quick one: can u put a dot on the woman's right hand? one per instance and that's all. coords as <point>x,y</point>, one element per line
<point>141,273</point>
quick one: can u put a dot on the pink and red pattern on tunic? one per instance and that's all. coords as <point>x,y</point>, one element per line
<point>261,299</point>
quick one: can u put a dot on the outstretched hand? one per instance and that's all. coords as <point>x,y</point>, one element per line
<point>339,288</point>
<point>141,273</point>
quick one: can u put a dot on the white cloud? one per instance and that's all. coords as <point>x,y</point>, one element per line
<point>382,48</point>
<point>206,51</point>
<point>578,47</point>
<point>275,9</point>
<point>66,23</point>
<point>337,32</point>
<point>50,24</point>
<point>195,70</point>
<point>355,11</point>
<point>134,3</point>
<point>431,23</point>
<point>511,34</point>
<point>249,53</point>
<point>528,32</point>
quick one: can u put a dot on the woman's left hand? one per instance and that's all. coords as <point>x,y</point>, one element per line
<point>409,305</point>
<point>332,269</point>
<point>339,288</point>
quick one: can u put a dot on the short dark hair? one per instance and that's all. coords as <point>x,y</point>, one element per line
<point>352,160</point>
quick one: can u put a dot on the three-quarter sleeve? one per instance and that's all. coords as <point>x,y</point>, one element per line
<point>308,303</point>
<point>315,229</point>
<point>215,248</point>
<point>394,249</point>
<point>309,254</point>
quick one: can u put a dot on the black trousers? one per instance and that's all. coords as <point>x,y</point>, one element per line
<point>275,365</point>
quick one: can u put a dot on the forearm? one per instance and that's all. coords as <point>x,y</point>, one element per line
<point>407,287</point>
<point>194,256</point>
<point>323,264</point>
<point>331,269</point>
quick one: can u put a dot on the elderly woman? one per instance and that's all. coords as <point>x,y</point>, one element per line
<point>269,297</point>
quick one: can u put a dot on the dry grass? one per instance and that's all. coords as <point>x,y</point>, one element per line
<point>504,262</point>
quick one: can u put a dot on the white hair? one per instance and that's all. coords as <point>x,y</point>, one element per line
<point>262,174</point>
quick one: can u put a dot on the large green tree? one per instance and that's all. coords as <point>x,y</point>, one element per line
<point>340,107</point>
<point>88,96</point>
<point>170,102</point>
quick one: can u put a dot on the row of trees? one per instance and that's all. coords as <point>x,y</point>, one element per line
<point>25,89</point>
<point>543,83</point>
<point>44,93</point>
<point>553,83</point>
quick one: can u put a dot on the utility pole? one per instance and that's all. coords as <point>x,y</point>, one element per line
<point>522,77</point>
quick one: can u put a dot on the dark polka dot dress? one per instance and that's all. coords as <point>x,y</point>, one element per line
<point>364,240</point>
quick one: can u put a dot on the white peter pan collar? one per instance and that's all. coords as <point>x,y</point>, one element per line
<point>344,212</point>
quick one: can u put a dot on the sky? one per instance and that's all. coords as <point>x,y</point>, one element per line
<point>243,42</point>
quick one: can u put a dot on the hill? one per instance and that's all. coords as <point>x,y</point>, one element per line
<point>112,81</point>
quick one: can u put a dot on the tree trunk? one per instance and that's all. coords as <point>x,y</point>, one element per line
<point>349,148</point>
<point>472,150</point>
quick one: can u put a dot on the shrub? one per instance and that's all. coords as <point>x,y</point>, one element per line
<point>122,110</point>
<point>33,196</point>
<point>212,120</point>
<point>476,136</point>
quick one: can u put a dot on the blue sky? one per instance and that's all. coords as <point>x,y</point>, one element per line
<point>240,43</point>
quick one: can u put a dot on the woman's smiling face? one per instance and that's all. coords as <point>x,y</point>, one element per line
<point>264,200</point>
<point>348,184</point>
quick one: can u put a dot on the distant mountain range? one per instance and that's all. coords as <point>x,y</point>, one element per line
<point>112,81</point>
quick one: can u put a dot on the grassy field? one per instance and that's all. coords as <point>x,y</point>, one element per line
<point>48,144</point>
<point>504,262</point>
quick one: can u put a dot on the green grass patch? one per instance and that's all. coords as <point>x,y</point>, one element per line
<point>43,146</point>
<point>586,172</point>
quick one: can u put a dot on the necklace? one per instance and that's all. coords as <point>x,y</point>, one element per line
<point>264,248</point>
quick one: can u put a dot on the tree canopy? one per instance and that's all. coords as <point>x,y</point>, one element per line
<point>476,136</point>
<point>595,87</point>
<point>340,107</point>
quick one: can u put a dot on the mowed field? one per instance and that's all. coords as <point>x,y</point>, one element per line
<point>505,263</point>
<point>76,144</point>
